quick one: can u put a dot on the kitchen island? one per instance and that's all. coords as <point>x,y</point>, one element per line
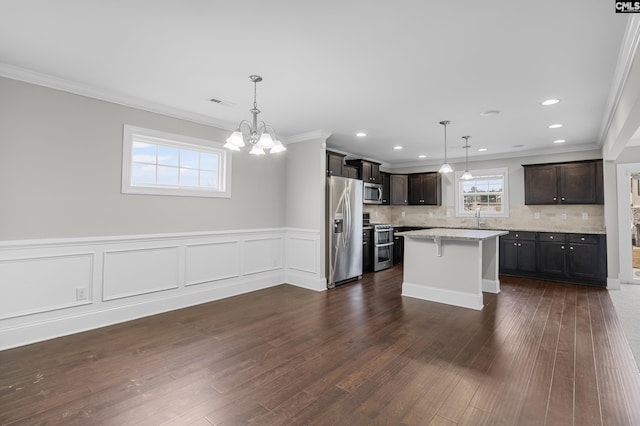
<point>452,266</point>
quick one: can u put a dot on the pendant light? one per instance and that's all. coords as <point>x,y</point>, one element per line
<point>466,175</point>
<point>445,168</point>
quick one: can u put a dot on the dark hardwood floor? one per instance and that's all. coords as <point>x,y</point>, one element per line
<point>360,354</point>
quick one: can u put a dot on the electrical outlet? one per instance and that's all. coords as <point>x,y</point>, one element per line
<point>563,216</point>
<point>585,216</point>
<point>81,293</point>
<point>536,215</point>
<point>403,214</point>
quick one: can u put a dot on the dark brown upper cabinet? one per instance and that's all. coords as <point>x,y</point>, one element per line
<point>385,180</point>
<point>578,182</point>
<point>425,189</point>
<point>367,170</point>
<point>334,163</point>
<point>399,190</point>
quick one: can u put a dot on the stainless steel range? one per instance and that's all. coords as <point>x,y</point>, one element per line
<point>382,247</point>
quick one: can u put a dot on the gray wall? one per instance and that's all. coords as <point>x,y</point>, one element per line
<point>305,184</point>
<point>60,173</point>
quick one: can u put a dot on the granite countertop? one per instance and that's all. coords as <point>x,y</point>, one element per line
<point>509,228</point>
<point>454,234</point>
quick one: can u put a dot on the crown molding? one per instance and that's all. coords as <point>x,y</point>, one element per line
<point>626,56</point>
<point>308,136</point>
<point>52,82</point>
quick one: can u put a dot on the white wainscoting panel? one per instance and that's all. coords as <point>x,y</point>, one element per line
<point>302,254</point>
<point>138,271</point>
<point>31,285</point>
<point>262,255</point>
<point>206,262</point>
<point>128,277</point>
<point>305,263</point>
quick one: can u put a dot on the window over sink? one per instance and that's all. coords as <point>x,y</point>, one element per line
<point>488,190</point>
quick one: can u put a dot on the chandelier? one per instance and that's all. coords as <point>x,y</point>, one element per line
<point>258,134</point>
<point>445,168</point>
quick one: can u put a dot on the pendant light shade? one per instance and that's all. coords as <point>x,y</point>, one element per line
<point>445,168</point>
<point>467,174</point>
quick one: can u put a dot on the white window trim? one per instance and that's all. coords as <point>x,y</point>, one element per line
<point>177,141</point>
<point>485,172</point>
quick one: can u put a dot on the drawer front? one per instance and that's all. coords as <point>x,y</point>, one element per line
<point>521,235</point>
<point>584,238</point>
<point>551,236</point>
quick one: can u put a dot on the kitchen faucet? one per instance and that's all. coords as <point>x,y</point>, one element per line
<point>478,217</point>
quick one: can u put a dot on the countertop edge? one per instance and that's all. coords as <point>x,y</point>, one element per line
<point>453,234</point>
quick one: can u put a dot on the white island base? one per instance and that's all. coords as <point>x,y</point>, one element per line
<point>452,266</point>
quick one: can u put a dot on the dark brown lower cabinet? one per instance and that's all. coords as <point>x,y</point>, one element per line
<point>517,255</point>
<point>574,258</point>
<point>367,250</point>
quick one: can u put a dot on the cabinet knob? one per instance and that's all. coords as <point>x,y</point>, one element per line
<point>562,247</point>
<point>571,248</point>
<point>562,198</point>
<point>581,238</point>
<point>555,198</point>
<point>551,237</point>
<point>515,244</point>
<point>516,235</point>
<point>519,245</point>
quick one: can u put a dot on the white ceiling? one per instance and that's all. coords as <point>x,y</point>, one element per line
<point>391,69</point>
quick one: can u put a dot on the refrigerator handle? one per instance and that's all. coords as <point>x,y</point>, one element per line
<point>347,215</point>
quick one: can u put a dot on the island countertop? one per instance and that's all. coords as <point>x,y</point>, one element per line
<point>453,234</point>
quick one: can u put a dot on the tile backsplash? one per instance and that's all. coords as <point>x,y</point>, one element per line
<point>565,218</point>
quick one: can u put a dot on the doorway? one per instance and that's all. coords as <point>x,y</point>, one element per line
<point>628,181</point>
<point>634,184</point>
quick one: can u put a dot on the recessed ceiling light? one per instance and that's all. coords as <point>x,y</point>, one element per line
<point>490,113</point>
<point>549,102</point>
<point>559,141</point>
<point>422,156</point>
<point>482,149</point>
<point>397,147</point>
<point>555,126</point>
<point>361,134</point>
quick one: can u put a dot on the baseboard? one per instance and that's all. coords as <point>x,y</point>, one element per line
<point>439,295</point>
<point>491,286</point>
<point>305,280</point>
<point>613,283</point>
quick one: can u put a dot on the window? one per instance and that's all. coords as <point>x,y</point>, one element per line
<point>158,163</point>
<point>488,190</point>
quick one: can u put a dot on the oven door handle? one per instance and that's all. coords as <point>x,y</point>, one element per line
<point>384,245</point>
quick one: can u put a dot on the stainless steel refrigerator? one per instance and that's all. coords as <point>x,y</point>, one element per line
<point>344,226</point>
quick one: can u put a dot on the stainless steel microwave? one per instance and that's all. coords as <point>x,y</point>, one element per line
<point>372,193</point>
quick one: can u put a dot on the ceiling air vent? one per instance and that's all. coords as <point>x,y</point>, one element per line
<point>222,102</point>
